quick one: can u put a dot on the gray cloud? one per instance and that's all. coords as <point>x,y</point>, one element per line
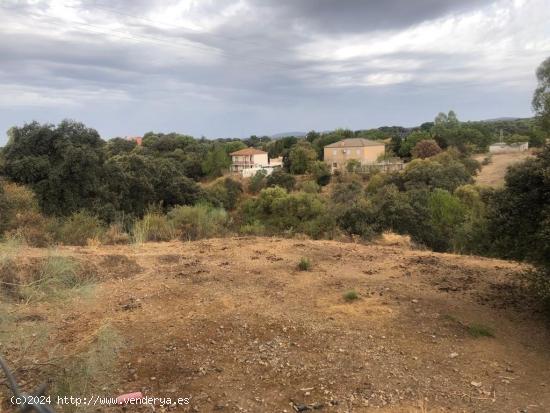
<point>226,68</point>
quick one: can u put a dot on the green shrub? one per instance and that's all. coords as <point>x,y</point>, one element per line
<point>257,182</point>
<point>480,330</point>
<point>304,264</point>
<point>154,226</point>
<point>321,173</point>
<point>198,221</point>
<point>253,228</point>
<point>282,179</point>
<point>292,213</point>
<point>310,187</point>
<point>351,295</point>
<point>225,193</point>
<point>79,228</point>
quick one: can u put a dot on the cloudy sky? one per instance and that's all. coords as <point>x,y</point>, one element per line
<point>222,68</point>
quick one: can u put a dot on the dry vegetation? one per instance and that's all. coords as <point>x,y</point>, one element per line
<point>492,173</point>
<point>237,326</point>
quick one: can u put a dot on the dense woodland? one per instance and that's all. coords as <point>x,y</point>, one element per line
<point>65,184</point>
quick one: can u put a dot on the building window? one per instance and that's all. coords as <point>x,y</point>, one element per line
<point>358,151</point>
<point>334,151</point>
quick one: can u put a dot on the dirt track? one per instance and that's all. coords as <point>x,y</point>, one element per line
<point>493,173</point>
<point>234,325</point>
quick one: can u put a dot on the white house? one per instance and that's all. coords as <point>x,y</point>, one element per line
<point>501,147</point>
<point>248,161</point>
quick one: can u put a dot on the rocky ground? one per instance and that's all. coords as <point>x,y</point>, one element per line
<point>234,325</point>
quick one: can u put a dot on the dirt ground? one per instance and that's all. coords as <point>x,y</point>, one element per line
<point>236,327</point>
<point>493,173</point>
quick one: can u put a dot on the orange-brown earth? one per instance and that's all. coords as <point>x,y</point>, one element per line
<point>234,325</point>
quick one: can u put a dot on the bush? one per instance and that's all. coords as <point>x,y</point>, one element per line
<point>257,182</point>
<point>32,227</point>
<point>153,227</point>
<point>480,330</point>
<point>79,228</point>
<point>282,179</point>
<point>425,149</point>
<point>282,212</point>
<point>115,235</point>
<point>56,277</point>
<point>321,173</point>
<point>225,193</point>
<point>253,228</point>
<point>304,264</point>
<point>310,187</point>
<point>351,295</point>
<point>198,221</point>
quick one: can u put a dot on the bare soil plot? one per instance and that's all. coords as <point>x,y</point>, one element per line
<point>235,325</point>
<point>493,173</point>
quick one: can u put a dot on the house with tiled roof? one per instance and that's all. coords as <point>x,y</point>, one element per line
<point>248,158</point>
<point>338,154</point>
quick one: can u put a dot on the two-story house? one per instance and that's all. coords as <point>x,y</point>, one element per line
<point>248,158</point>
<point>367,152</point>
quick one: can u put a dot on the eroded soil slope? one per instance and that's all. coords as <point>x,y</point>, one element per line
<point>233,324</point>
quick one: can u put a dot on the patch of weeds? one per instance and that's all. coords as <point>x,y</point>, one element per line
<point>91,369</point>
<point>304,264</point>
<point>57,277</point>
<point>480,330</point>
<point>9,279</point>
<point>351,295</point>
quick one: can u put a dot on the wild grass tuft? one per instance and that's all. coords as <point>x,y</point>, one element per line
<point>304,264</point>
<point>90,370</point>
<point>480,330</point>
<point>351,295</point>
<point>154,226</point>
<point>57,277</point>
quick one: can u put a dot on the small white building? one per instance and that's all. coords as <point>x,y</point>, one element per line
<point>501,147</point>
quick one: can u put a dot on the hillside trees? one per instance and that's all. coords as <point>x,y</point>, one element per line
<point>541,97</point>
<point>63,164</point>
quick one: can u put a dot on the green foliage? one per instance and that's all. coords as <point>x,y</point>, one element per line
<point>217,162</point>
<point>225,193</point>
<point>154,226</point>
<point>281,212</point>
<point>198,221</point>
<point>309,187</point>
<point>480,330</point>
<point>282,179</point>
<point>541,96</point>
<point>136,181</point>
<point>351,295</point>
<point>304,264</point>
<point>411,141</point>
<point>301,158</point>
<point>79,228</point>
<point>257,182</point>
<point>254,227</point>
<point>429,173</point>
<point>347,192</point>
<point>63,164</point>
<point>320,172</point>
<point>57,277</point>
<point>119,146</point>
<point>447,214</point>
<point>353,165</point>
